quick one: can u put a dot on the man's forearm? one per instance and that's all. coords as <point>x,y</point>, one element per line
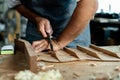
<point>27,13</point>
<point>84,11</point>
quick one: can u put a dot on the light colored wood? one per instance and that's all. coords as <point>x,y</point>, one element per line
<point>62,56</point>
<point>89,52</point>
<point>115,49</point>
<point>105,51</point>
<point>65,55</point>
<point>46,57</point>
<point>69,51</point>
<point>76,70</point>
<point>103,56</point>
<point>80,54</point>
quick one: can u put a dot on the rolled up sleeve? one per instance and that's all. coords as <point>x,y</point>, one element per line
<point>13,3</point>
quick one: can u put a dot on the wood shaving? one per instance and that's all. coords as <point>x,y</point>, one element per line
<point>117,68</point>
<point>92,64</point>
<point>49,75</point>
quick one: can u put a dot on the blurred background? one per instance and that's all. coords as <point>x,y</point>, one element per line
<point>105,27</point>
<point>12,24</point>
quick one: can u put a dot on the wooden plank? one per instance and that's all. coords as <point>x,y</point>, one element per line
<point>31,56</point>
<point>19,46</point>
<point>89,52</point>
<point>105,51</point>
<point>26,47</point>
<point>103,56</point>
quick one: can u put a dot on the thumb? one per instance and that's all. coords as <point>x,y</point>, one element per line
<point>48,31</point>
<point>48,28</point>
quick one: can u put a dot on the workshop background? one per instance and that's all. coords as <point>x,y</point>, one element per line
<point>105,27</point>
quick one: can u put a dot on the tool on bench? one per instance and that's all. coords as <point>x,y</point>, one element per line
<point>50,41</point>
<point>7,49</point>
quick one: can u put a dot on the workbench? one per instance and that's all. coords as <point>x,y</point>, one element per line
<point>76,70</point>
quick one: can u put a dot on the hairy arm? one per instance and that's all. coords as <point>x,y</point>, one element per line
<point>26,12</point>
<point>84,11</point>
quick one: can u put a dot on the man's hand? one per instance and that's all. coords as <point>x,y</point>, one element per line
<point>44,26</point>
<point>43,44</point>
<point>42,23</point>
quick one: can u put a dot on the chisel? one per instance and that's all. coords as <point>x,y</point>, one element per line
<point>50,41</point>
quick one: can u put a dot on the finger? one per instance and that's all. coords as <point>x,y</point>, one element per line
<point>40,46</point>
<point>36,43</point>
<point>43,47</point>
<point>48,28</point>
<point>51,31</point>
<point>42,30</point>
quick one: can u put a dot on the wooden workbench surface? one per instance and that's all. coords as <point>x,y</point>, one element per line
<point>77,70</point>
